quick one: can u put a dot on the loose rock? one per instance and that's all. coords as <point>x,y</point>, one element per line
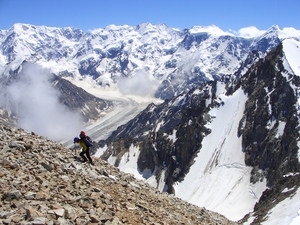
<point>43,184</point>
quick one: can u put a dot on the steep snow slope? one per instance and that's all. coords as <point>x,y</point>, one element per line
<point>285,212</point>
<point>292,55</point>
<point>219,178</point>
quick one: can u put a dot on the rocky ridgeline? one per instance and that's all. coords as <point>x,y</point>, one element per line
<point>43,183</point>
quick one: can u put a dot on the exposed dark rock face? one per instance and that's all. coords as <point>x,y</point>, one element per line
<point>77,99</point>
<point>271,101</point>
<point>270,128</point>
<point>182,118</point>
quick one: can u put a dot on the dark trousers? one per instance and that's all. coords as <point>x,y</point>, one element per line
<point>87,153</point>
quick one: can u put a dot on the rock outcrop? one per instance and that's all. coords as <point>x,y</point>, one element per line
<point>42,182</point>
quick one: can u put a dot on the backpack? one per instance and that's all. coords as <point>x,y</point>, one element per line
<point>88,141</point>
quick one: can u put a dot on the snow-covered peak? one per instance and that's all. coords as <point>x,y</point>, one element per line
<point>211,30</point>
<point>145,27</point>
<point>271,33</point>
<point>274,28</point>
<point>39,35</point>
<point>27,29</point>
<point>20,27</point>
<point>151,29</point>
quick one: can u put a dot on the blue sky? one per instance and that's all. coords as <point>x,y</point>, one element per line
<point>90,14</point>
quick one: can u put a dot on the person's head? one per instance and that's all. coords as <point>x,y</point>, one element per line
<point>82,135</point>
<point>76,140</point>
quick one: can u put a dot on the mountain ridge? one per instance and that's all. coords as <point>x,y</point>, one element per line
<point>178,60</point>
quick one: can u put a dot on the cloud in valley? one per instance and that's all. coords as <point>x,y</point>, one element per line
<point>37,106</point>
<point>139,84</point>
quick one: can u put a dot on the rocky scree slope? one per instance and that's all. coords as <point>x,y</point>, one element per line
<point>43,183</point>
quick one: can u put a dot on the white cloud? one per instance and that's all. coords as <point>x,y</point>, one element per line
<point>139,84</point>
<point>248,32</point>
<point>290,32</point>
<point>37,105</point>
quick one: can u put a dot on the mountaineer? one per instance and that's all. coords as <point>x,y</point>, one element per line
<point>85,149</point>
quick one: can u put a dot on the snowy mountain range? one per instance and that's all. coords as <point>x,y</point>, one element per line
<point>226,136</point>
<point>161,60</point>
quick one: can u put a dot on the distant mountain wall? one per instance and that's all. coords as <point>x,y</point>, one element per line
<point>176,60</point>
